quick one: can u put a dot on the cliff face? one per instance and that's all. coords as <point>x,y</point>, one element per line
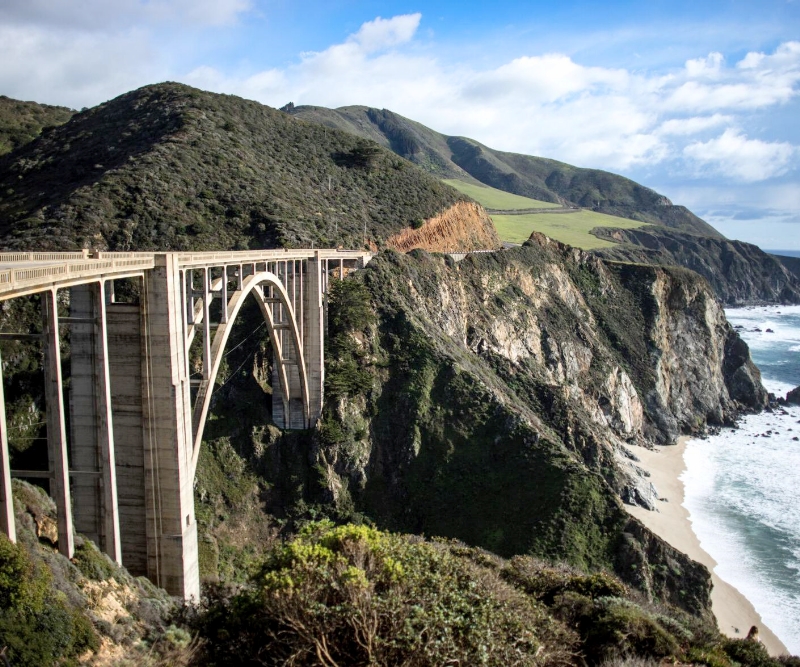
<point>463,227</point>
<point>739,272</point>
<point>501,392</point>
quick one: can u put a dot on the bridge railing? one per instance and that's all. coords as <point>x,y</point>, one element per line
<point>27,278</point>
<point>245,256</point>
<point>10,257</point>
<point>43,269</point>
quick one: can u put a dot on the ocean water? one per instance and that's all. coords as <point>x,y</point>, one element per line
<point>787,253</point>
<point>742,487</point>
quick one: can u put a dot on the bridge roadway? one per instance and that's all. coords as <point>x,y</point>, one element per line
<point>142,373</point>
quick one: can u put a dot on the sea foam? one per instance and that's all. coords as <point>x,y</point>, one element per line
<point>742,487</point>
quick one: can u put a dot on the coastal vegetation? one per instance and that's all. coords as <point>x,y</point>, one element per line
<point>172,167</point>
<point>351,594</point>
<point>487,402</point>
<point>21,122</point>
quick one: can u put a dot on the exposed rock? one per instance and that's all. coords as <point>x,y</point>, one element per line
<point>742,377</point>
<point>739,272</point>
<point>46,528</point>
<point>690,581</point>
<point>793,396</point>
<point>464,226</point>
<point>504,387</point>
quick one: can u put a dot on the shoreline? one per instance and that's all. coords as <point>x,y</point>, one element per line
<point>733,611</point>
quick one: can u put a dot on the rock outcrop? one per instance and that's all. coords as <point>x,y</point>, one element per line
<point>502,389</point>
<point>739,272</point>
<point>463,227</point>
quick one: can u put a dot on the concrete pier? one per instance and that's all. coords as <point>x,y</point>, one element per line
<point>124,474</point>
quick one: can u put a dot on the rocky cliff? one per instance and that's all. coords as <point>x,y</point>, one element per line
<point>739,272</point>
<point>496,396</point>
<point>463,227</point>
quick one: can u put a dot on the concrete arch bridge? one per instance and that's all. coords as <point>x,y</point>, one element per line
<point>136,413</point>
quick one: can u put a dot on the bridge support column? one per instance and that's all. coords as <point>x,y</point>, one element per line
<point>7,521</point>
<point>56,424</point>
<point>124,326</point>
<point>169,496</point>
<point>94,477</point>
<point>313,336</point>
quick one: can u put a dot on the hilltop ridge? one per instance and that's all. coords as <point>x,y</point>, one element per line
<point>741,273</point>
<point>536,177</point>
<point>172,167</point>
<point>21,122</point>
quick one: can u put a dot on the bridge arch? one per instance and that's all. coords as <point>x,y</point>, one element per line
<point>254,285</point>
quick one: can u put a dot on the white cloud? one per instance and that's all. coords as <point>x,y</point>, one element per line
<point>112,15</point>
<point>692,125</point>
<point>544,79</point>
<point>709,67</point>
<point>758,80</point>
<point>90,68</point>
<point>543,104</point>
<point>733,154</point>
<point>385,33</point>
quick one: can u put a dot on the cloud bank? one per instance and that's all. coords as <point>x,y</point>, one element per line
<point>691,118</point>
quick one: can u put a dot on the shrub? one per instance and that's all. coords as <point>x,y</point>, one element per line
<point>547,583</point>
<point>92,563</point>
<point>619,626</point>
<point>349,307</point>
<point>357,596</point>
<point>35,624</point>
<point>18,586</point>
<point>748,653</point>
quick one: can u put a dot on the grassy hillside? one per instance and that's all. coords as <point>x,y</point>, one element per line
<point>573,228</point>
<point>557,183</point>
<point>21,122</point>
<point>533,177</point>
<point>172,167</point>
<point>494,198</point>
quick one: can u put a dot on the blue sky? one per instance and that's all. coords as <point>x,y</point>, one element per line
<point>698,100</point>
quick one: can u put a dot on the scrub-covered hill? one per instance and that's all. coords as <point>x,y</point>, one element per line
<point>539,178</point>
<point>168,166</point>
<point>21,122</point>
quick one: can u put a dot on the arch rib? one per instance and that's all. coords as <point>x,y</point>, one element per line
<point>235,303</point>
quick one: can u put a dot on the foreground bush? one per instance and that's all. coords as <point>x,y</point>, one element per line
<point>356,596</point>
<point>37,628</point>
<point>353,595</point>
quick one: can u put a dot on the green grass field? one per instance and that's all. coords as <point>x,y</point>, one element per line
<point>572,228</point>
<point>493,198</point>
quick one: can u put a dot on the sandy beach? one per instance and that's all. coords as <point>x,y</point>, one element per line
<point>735,615</point>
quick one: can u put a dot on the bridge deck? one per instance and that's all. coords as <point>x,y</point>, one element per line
<point>24,273</point>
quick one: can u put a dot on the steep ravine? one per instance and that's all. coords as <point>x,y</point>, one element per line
<point>493,399</point>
